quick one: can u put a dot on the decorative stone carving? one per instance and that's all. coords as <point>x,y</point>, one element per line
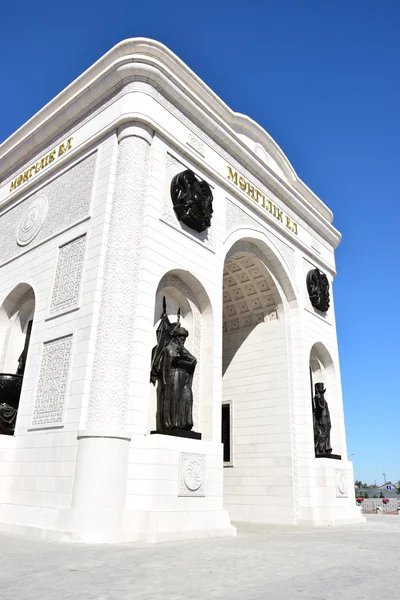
<point>195,143</point>
<point>318,289</point>
<point>341,484</point>
<point>172,368</point>
<point>32,220</point>
<point>68,197</point>
<point>108,402</point>
<point>191,475</point>
<point>52,386</point>
<point>68,276</point>
<point>192,199</point>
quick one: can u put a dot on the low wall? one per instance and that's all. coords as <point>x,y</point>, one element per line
<point>370,505</point>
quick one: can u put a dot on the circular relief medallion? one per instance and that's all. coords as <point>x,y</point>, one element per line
<point>193,475</point>
<point>32,221</point>
<point>341,483</point>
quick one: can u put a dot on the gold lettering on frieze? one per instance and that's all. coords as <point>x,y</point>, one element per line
<point>258,197</point>
<point>41,164</point>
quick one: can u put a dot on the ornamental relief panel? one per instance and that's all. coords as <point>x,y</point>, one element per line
<point>59,204</point>
<point>191,475</point>
<point>68,276</point>
<point>52,386</point>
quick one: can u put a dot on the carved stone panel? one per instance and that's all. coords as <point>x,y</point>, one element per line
<point>191,475</point>
<point>32,221</point>
<point>52,386</point>
<point>341,484</point>
<point>68,276</point>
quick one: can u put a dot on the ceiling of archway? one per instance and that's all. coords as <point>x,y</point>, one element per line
<point>247,296</point>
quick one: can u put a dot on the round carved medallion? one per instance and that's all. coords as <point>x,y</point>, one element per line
<point>341,483</point>
<point>32,221</point>
<point>193,475</point>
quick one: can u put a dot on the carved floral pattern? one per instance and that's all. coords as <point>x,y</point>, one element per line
<point>52,386</point>
<point>108,403</point>
<point>191,476</point>
<point>32,220</point>
<point>68,276</point>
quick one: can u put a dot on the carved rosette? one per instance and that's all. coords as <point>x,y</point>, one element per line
<point>192,199</point>
<point>32,221</point>
<point>341,484</point>
<point>191,475</point>
<point>318,289</point>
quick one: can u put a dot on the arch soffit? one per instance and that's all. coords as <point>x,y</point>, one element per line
<point>190,286</point>
<point>15,299</point>
<point>322,353</point>
<point>256,242</point>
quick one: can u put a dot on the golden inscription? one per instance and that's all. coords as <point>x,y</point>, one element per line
<point>260,199</point>
<point>41,164</point>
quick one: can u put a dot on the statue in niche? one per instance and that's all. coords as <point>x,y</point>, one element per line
<point>192,199</point>
<point>173,366</point>
<point>322,422</point>
<point>318,289</point>
<point>10,391</point>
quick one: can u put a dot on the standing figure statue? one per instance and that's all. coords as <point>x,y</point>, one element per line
<point>322,422</point>
<point>173,367</point>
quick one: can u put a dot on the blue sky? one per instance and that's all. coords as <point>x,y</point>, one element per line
<point>323,79</point>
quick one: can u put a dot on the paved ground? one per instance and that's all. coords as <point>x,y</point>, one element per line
<point>350,563</point>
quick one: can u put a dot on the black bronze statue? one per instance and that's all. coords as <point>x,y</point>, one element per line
<point>173,367</point>
<point>322,422</point>
<point>318,289</point>
<point>192,199</point>
<point>10,391</point>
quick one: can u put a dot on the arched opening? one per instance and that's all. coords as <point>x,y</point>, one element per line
<point>256,426</point>
<point>16,320</point>
<point>322,370</point>
<point>183,293</point>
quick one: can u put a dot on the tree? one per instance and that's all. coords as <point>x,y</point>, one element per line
<point>358,483</point>
<point>366,495</point>
<point>398,487</point>
<point>381,495</point>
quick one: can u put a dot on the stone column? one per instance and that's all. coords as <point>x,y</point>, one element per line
<point>103,448</point>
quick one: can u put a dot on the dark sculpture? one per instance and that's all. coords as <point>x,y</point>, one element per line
<point>192,199</point>
<point>322,422</point>
<point>318,289</point>
<point>173,367</point>
<point>10,391</point>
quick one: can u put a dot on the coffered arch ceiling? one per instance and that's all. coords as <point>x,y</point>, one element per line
<point>249,293</point>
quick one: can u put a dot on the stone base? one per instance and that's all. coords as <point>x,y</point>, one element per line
<point>185,433</point>
<point>101,527</point>
<point>334,456</point>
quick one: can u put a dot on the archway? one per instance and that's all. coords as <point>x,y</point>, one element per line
<point>322,370</point>
<point>256,423</point>
<point>183,292</point>
<point>16,320</point>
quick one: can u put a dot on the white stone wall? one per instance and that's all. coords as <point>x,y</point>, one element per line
<point>68,244</point>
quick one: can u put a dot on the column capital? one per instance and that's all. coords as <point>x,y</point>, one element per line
<point>135,129</point>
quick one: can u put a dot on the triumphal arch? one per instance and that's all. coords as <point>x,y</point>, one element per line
<point>168,354</point>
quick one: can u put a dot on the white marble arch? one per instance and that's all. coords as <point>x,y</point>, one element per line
<point>258,380</point>
<point>182,290</point>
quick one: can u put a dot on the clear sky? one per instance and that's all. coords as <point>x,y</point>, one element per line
<point>323,79</point>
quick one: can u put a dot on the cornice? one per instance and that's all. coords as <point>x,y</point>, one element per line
<point>150,61</point>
